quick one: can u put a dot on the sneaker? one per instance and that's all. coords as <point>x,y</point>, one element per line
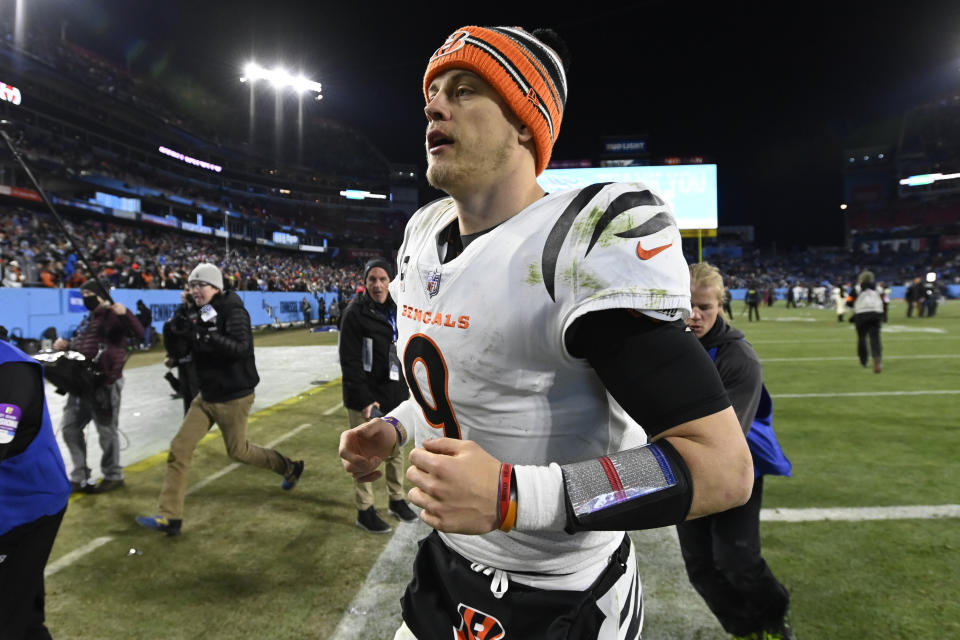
<point>107,485</point>
<point>370,520</point>
<point>292,477</point>
<point>400,510</point>
<point>87,486</point>
<point>161,523</point>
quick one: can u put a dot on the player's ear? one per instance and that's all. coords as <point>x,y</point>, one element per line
<point>524,134</point>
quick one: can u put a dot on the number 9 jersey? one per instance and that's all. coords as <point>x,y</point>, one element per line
<point>481,338</point>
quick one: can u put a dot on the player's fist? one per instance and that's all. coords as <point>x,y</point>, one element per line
<point>363,448</point>
<point>455,483</point>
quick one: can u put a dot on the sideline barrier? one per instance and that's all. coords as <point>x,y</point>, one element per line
<point>28,312</point>
<point>896,293</point>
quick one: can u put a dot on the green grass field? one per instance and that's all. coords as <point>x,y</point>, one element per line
<point>255,562</point>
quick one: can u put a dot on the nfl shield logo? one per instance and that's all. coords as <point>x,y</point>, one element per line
<point>433,283</point>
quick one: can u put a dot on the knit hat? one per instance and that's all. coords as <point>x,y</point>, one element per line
<point>206,272</point>
<point>95,286</point>
<point>527,74</point>
<point>377,262</point>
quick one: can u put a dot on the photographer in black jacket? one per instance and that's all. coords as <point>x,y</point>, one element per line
<point>222,347</point>
<point>373,382</point>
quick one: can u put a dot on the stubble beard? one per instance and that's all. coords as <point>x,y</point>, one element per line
<point>454,175</point>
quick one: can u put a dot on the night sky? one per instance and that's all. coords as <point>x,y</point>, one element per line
<point>770,91</point>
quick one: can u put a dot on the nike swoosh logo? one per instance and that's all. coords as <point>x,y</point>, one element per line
<point>645,254</point>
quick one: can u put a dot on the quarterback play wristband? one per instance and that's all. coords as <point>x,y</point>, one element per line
<point>640,488</point>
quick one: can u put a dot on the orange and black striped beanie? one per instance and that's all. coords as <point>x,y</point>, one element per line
<point>526,73</point>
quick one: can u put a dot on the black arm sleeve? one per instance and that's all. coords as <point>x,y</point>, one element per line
<point>21,392</point>
<point>657,371</point>
<point>237,340</point>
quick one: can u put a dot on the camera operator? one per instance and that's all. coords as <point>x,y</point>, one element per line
<point>177,332</point>
<point>33,494</point>
<point>222,345</point>
<point>102,337</point>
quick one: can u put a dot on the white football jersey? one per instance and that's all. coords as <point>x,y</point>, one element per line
<point>482,340</point>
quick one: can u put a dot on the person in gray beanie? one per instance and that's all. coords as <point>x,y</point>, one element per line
<point>222,346</point>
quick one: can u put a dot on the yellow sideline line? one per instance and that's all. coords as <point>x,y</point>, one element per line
<point>158,458</point>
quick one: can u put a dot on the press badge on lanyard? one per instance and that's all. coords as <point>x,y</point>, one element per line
<point>394,359</point>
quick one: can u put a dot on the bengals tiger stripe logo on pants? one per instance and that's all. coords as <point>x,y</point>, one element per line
<point>476,625</point>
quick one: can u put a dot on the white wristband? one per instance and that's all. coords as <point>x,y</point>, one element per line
<point>540,498</point>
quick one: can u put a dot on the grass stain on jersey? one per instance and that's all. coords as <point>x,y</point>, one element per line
<point>579,279</point>
<point>585,228</point>
<point>534,275</point>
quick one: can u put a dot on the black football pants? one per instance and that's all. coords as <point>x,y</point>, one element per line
<point>722,556</point>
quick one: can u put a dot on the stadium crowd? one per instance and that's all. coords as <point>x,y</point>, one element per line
<point>834,266</point>
<point>33,252</point>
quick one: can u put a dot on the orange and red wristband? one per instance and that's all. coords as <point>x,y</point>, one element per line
<point>507,497</point>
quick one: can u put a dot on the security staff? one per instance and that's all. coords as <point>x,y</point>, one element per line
<point>33,494</point>
<point>373,383</point>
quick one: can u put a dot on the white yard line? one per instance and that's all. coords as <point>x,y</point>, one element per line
<point>858,514</point>
<point>851,358</point>
<point>374,611</point>
<point>236,465</point>
<point>869,394</point>
<point>73,556</point>
<point>334,409</point>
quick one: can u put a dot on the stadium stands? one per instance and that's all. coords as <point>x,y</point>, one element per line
<point>108,144</point>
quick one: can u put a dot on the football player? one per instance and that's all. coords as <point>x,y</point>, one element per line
<point>538,332</point>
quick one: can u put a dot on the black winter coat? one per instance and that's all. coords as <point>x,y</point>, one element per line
<point>367,323</point>
<point>223,351</point>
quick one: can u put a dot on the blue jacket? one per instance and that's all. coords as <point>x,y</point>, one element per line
<point>34,482</point>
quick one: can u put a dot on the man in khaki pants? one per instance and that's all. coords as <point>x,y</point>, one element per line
<point>222,345</point>
<point>373,383</point>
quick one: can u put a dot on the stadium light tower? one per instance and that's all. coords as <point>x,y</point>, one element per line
<point>281,80</point>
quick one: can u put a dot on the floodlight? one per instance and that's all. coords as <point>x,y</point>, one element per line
<point>280,79</point>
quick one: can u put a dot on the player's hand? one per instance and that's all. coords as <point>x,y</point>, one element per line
<point>455,483</point>
<point>363,448</point>
<point>366,413</point>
